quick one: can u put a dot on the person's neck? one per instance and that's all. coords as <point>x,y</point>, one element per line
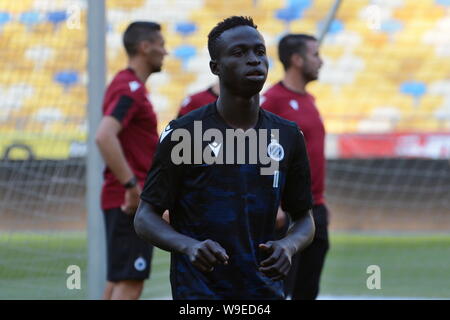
<point>216,89</point>
<point>140,68</point>
<point>294,81</point>
<point>238,112</point>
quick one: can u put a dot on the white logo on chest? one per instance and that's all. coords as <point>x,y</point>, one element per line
<point>166,131</point>
<point>215,147</point>
<point>134,85</point>
<point>294,104</point>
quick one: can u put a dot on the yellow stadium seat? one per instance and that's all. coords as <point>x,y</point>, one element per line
<point>389,60</point>
<point>125,4</point>
<point>16,7</point>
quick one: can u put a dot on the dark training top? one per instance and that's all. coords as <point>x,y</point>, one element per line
<point>232,204</point>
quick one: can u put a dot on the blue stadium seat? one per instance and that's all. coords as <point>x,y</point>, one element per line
<point>299,4</point>
<point>287,15</point>
<point>30,18</point>
<point>416,89</point>
<point>66,78</point>
<point>5,17</point>
<point>56,17</point>
<point>443,2</point>
<point>391,26</point>
<point>186,28</point>
<point>293,10</point>
<point>184,53</point>
<point>335,27</point>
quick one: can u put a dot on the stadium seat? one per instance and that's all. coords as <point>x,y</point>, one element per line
<point>292,11</point>
<point>413,88</point>
<point>184,53</point>
<point>56,17</point>
<point>5,17</point>
<point>299,4</point>
<point>186,28</point>
<point>391,26</point>
<point>335,27</point>
<point>67,78</point>
<point>31,18</point>
<point>287,15</point>
<point>268,5</point>
<point>39,55</point>
<point>126,4</point>
<point>443,2</point>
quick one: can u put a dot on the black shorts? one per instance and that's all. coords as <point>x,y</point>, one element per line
<point>128,256</point>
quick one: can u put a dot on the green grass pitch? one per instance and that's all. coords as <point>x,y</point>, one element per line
<point>33,266</point>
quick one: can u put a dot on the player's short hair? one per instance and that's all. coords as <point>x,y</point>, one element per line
<point>221,27</point>
<point>290,44</point>
<point>136,32</point>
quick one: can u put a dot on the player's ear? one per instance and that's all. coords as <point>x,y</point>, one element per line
<point>297,60</point>
<point>213,65</point>
<point>144,46</point>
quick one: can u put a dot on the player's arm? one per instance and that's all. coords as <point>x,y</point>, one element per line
<point>109,145</point>
<point>299,236</point>
<point>108,142</point>
<point>159,194</point>
<point>150,226</point>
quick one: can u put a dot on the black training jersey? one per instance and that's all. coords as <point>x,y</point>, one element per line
<point>219,192</point>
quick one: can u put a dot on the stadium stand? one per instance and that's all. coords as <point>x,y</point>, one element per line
<point>378,76</point>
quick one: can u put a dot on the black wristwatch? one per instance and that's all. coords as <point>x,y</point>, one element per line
<point>131,184</point>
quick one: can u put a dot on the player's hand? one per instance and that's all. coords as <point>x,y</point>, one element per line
<point>131,200</point>
<point>277,265</point>
<point>206,254</point>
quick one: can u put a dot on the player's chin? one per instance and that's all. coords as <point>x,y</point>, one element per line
<point>251,88</point>
<point>157,68</point>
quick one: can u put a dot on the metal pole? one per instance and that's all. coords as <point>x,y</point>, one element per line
<point>96,32</point>
<point>329,20</point>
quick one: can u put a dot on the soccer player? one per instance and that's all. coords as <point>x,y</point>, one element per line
<point>127,138</point>
<point>223,212</point>
<point>199,99</point>
<point>299,54</point>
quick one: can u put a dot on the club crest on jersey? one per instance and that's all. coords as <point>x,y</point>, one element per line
<point>275,150</point>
